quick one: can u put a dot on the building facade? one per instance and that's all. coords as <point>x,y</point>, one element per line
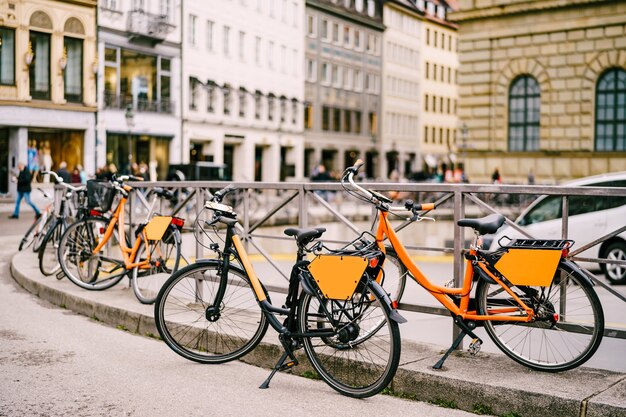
<point>543,87</point>
<point>243,87</point>
<point>440,138</point>
<point>343,64</point>
<point>402,78</point>
<point>139,67</point>
<point>47,86</point>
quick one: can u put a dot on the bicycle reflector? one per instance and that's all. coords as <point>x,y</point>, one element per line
<point>177,221</point>
<point>95,213</point>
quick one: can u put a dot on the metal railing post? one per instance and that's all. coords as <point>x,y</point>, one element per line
<point>303,219</point>
<point>459,209</point>
<point>199,236</point>
<point>564,233</point>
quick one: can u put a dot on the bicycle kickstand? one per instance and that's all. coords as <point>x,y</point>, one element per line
<point>288,345</point>
<point>465,330</point>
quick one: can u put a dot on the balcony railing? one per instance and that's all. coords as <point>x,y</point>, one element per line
<point>113,101</point>
<point>149,26</point>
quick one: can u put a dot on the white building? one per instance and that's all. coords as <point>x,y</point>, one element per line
<point>138,84</point>
<point>402,78</point>
<point>243,87</point>
<point>439,63</point>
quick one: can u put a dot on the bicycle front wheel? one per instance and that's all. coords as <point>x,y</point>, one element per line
<point>89,270</point>
<point>42,230</point>
<point>164,256</point>
<point>48,252</point>
<point>30,234</point>
<point>568,328</point>
<point>193,327</point>
<point>351,364</point>
<point>394,274</point>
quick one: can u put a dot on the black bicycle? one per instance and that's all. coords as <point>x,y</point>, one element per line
<point>217,310</point>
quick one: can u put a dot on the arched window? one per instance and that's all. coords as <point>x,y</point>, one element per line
<point>611,111</point>
<point>524,100</point>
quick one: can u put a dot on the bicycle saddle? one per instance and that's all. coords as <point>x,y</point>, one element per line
<point>304,236</point>
<point>484,225</point>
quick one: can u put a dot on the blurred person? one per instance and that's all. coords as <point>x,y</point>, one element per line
<point>24,188</point>
<point>75,178</point>
<point>495,177</point>
<point>64,173</point>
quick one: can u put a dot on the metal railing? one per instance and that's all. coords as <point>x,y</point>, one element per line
<point>277,204</point>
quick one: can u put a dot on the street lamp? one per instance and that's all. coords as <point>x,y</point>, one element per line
<point>129,115</point>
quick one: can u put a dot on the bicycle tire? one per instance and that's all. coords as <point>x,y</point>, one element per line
<point>360,370</point>
<point>29,236</point>
<point>164,253</point>
<point>49,221</point>
<point>78,262</point>
<point>48,252</point>
<point>546,345</point>
<point>181,319</point>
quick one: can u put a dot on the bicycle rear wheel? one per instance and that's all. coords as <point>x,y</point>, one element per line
<point>48,252</point>
<point>89,270</point>
<point>568,328</point>
<point>357,370</point>
<point>164,259</point>
<point>181,314</point>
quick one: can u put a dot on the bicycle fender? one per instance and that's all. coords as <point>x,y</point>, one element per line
<point>177,235</point>
<point>384,297</point>
<point>570,265</point>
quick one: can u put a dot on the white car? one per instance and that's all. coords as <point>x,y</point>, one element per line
<point>590,217</point>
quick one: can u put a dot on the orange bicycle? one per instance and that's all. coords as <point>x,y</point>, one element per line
<point>537,306</point>
<point>95,253</point>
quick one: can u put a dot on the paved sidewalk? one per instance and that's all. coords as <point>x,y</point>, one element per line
<point>489,382</point>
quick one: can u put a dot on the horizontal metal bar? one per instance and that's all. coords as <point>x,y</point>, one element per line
<point>404,186</point>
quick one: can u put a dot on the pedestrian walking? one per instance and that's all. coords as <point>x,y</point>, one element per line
<point>23,179</point>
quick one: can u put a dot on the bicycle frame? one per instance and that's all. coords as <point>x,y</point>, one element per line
<point>444,294</point>
<point>127,253</point>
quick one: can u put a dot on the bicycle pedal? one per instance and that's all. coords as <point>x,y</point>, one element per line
<point>474,346</point>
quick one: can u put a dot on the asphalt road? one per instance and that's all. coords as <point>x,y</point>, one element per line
<point>54,362</point>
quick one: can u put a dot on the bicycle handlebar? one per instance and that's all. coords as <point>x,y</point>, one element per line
<point>219,195</point>
<point>61,182</point>
<point>128,177</point>
<point>376,198</point>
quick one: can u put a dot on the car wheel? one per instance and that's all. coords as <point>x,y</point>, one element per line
<point>616,274</point>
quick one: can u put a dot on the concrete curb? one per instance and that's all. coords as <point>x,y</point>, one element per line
<point>486,383</point>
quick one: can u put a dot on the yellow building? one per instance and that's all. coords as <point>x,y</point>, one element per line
<point>48,69</point>
<point>542,87</point>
